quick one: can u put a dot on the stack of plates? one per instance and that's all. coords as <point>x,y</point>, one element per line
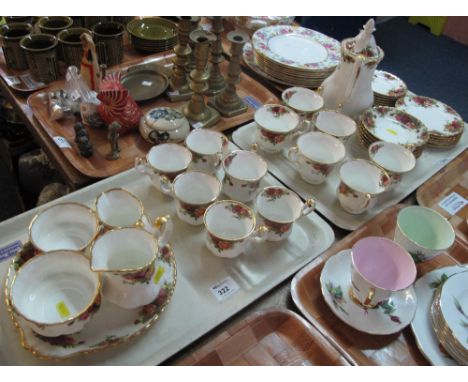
<point>152,34</point>
<point>387,88</point>
<point>444,124</point>
<point>388,124</point>
<point>293,55</point>
<point>449,313</point>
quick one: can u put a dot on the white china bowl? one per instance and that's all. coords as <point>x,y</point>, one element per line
<point>54,293</point>
<point>334,123</point>
<point>65,226</point>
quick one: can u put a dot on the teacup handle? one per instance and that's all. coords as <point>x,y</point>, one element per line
<point>165,185</point>
<point>308,207</point>
<point>254,147</point>
<point>292,154</point>
<point>164,227</point>
<point>303,128</point>
<point>368,199</point>
<point>219,160</point>
<point>260,234</point>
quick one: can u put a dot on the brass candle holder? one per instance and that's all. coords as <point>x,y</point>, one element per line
<point>228,103</point>
<point>216,82</point>
<point>179,89</point>
<point>197,112</point>
<point>194,25</point>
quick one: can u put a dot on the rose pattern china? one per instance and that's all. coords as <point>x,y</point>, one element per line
<point>208,148</point>
<point>230,226</point>
<point>387,84</point>
<point>243,172</point>
<point>278,208</point>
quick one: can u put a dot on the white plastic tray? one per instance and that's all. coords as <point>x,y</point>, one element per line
<point>193,310</point>
<point>431,161</point>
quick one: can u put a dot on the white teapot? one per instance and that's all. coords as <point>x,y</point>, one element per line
<point>349,87</point>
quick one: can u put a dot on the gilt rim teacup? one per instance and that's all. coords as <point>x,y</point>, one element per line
<point>51,228</point>
<point>334,123</point>
<point>302,100</point>
<point>208,148</point>
<point>66,293</point>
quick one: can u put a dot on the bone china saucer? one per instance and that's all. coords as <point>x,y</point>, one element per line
<point>388,317</point>
<point>426,339</point>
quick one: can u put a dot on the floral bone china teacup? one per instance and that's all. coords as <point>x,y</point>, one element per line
<point>334,123</point>
<point>56,293</point>
<point>275,125</point>
<point>423,232</point>
<point>302,100</point>
<point>128,257</point>
<point>393,158</point>
<point>315,155</point>
<point>208,148</point>
<point>119,208</point>
<point>193,192</point>
<point>168,159</point>
<point>243,171</point>
<point>64,226</point>
<point>379,267</point>
<point>230,226</point>
<point>278,209</point>
<point>361,183</point>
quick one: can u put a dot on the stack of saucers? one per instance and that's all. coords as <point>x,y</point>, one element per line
<point>449,313</point>
<point>444,124</point>
<point>293,55</point>
<point>387,88</point>
<point>152,34</point>
<point>388,124</point>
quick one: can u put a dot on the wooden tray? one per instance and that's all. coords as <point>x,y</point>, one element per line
<point>453,178</point>
<point>132,144</point>
<point>272,337</point>
<point>358,347</point>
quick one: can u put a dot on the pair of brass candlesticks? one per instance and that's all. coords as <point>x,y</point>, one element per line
<point>204,80</point>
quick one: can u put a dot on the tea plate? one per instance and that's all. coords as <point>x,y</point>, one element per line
<point>110,326</point>
<point>431,161</point>
<point>439,118</point>
<point>297,47</point>
<point>387,84</point>
<point>421,325</point>
<point>395,126</point>
<point>388,317</point>
<point>257,271</point>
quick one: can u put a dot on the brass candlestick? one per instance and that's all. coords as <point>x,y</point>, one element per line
<point>179,89</point>
<point>228,103</point>
<point>196,111</point>
<point>191,62</point>
<point>216,83</point>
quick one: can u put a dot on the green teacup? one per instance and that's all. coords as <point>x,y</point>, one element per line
<point>71,45</point>
<point>108,37</point>
<point>54,24</point>
<point>41,54</point>
<point>423,232</point>
<point>19,19</point>
<point>10,37</point>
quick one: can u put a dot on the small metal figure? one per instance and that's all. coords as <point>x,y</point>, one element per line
<point>113,137</point>
<point>82,140</point>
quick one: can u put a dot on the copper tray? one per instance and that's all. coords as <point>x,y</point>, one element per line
<point>272,337</point>
<point>132,144</point>
<point>358,347</point>
<point>452,178</point>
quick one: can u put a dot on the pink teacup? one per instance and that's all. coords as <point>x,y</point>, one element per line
<point>379,268</point>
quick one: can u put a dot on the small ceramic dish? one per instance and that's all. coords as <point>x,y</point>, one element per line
<point>145,84</point>
<point>56,293</point>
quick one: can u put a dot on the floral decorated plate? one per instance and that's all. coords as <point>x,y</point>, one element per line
<point>111,325</point>
<point>439,118</point>
<point>389,317</point>
<point>297,47</point>
<point>393,125</point>
<point>454,306</point>
<point>426,339</point>
<point>388,85</point>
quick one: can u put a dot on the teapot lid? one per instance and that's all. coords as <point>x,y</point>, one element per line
<point>165,119</point>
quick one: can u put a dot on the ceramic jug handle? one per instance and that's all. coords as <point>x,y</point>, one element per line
<point>165,185</point>
<point>292,153</point>
<point>164,227</point>
<point>308,207</point>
